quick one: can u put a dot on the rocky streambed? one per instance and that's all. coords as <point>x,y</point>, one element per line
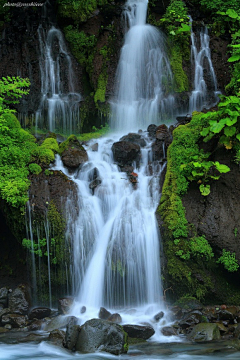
<point>193,328</point>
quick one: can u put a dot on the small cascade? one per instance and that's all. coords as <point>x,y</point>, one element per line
<point>59,105</point>
<point>205,92</point>
<point>144,77</point>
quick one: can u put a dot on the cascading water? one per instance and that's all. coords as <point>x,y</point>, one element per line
<point>205,94</point>
<point>59,106</point>
<point>144,77</point>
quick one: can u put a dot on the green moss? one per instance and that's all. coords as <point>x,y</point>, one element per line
<point>176,60</point>
<point>101,90</point>
<point>126,344</point>
<point>71,141</point>
<point>35,169</point>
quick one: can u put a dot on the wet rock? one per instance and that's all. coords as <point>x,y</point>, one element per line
<point>204,332</point>
<point>101,335</point>
<point>152,131</point>
<point>169,331</point>
<point>83,309</point>
<point>15,320</point>
<point>163,134</point>
<point>191,319</point>
<point>125,153</point>
<point>137,331</point>
<point>94,147</point>
<point>237,332</point>
<point>19,300</point>
<point>189,304</point>
<point>225,315</point>
<point>39,313</point>
<point>116,318</point>
<point>158,150</point>
<point>36,325</point>
<point>103,313</point>
<point>159,316</point>
<point>71,336</point>
<point>74,153</point>
<point>8,327</point>
<point>57,337</point>
<point>134,139</point>
<point>59,322</point>
<point>4,312</point>
<point>64,305</point>
<point>4,297</point>
<point>94,184</point>
<point>36,338</point>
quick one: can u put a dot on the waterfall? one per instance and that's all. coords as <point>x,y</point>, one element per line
<point>144,77</point>
<point>59,105</point>
<point>204,95</point>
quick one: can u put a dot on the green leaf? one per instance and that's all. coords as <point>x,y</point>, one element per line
<point>230,131</point>
<point>233,58</point>
<point>221,167</point>
<point>172,32</point>
<point>218,126</point>
<point>205,131</point>
<point>205,189</point>
<point>238,136</point>
<point>230,122</point>
<point>232,13</point>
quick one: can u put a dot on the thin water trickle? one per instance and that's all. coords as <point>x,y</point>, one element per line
<point>59,105</point>
<point>144,77</point>
<point>204,95</point>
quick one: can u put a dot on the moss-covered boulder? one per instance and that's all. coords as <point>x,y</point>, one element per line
<point>73,153</point>
<point>205,332</point>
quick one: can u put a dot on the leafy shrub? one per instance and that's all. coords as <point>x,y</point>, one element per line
<point>35,169</point>
<point>229,261</point>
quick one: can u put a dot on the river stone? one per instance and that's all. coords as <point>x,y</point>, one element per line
<point>191,319</point>
<point>116,318</point>
<point>135,139</point>
<point>57,337</point>
<point>125,153</point>
<point>64,305</point>
<point>71,336</point>
<point>168,331</point>
<point>152,131</point>
<point>19,300</point>
<point>137,331</point>
<point>74,154</point>
<point>205,332</point>
<point>225,315</point>
<point>39,313</point>
<point>15,320</point>
<point>36,325</point>
<point>103,313</point>
<point>3,296</point>
<point>159,316</point>
<point>59,322</point>
<point>101,335</point>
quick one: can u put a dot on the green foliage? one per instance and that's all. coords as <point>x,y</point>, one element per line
<point>229,261</point>
<point>45,154</point>
<point>180,78</point>
<point>225,124</point>
<point>101,90</point>
<point>16,144</point>
<point>176,21</point>
<point>79,10</point>
<point>35,169</point>
<point>97,133</point>
<point>82,45</point>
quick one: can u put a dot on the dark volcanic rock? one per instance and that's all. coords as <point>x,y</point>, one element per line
<point>116,318</point>
<point>4,296</point>
<point>101,335</point>
<point>15,320</point>
<point>57,337</point>
<point>137,331</point>
<point>19,300</point>
<point>134,139</point>
<point>39,313</point>
<point>168,331</point>
<point>103,313</point>
<point>159,316</point>
<point>152,131</point>
<point>125,153</point>
<point>74,153</point>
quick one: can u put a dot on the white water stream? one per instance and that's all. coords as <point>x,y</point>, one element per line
<point>202,96</point>
<point>59,107</point>
<point>144,76</point>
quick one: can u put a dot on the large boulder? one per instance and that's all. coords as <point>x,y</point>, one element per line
<point>101,335</point>
<point>59,322</point>
<point>20,300</point>
<point>64,305</point>
<point>134,139</point>
<point>139,331</point>
<point>125,153</point>
<point>39,313</point>
<point>73,153</point>
<point>205,332</point>
<point>16,320</point>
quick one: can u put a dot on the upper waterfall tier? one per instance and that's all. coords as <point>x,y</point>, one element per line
<point>144,77</point>
<point>59,106</point>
